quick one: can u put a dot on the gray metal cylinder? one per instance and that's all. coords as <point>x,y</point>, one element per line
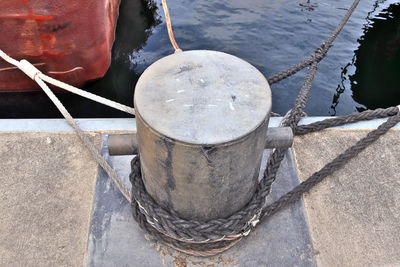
<point>202,118</point>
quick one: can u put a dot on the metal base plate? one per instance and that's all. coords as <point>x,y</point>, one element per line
<point>116,240</point>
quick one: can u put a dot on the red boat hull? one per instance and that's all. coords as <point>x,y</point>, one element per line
<point>68,40</point>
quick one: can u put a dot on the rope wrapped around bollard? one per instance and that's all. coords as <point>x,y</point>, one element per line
<point>215,236</point>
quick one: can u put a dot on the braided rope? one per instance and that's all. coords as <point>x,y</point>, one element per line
<point>32,72</point>
<point>215,236</point>
<point>332,166</point>
<point>36,75</point>
<point>319,53</point>
<point>352,118</point>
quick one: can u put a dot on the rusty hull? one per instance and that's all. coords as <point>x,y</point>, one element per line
<point>68,40</point>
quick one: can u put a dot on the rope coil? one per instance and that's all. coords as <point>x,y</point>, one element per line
<point>212,237</point>
<point>216,236</point>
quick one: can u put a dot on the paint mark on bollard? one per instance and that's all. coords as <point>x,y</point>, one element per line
<point>231,106</point>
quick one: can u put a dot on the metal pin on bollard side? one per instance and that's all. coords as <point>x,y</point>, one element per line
<point>126,144</point>
<point>122,144</point>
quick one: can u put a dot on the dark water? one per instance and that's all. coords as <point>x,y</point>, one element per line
<point>362,69</point>
<point>376,80</point>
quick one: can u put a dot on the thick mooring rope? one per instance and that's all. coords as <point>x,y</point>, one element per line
<point>319,53</point>
<point>214,236</point>
<point>346,119</point>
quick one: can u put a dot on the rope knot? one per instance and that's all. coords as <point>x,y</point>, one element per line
<point>29,69</point>
<point>321,51</point>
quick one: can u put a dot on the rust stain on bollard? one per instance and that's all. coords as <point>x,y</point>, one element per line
<point>202,118</point>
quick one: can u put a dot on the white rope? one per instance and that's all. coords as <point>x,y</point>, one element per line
<point>9,59</point>
<point>29,69</point>
<point>84,138</point>
<point>88,95</point>
<point>38,77</point>
<point>33,72</point>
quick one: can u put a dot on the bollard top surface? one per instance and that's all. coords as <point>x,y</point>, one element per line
<point>202,97</point>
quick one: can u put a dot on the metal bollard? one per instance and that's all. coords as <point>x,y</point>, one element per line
<point>202,119</point>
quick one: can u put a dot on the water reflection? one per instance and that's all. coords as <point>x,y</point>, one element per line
<point>135,24</point>
<point>372,74</point>
<point>376,83</point>
<point>270,35</point>
<point>308,5</point>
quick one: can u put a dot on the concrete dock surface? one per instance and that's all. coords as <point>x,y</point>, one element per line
<point>46,197</point>
<point>354,215</point>
<point>50,191</point>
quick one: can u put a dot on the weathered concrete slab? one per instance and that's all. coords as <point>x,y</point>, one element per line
<point>116,240</point>
<point>46,195</point>
<point>354,215</point>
